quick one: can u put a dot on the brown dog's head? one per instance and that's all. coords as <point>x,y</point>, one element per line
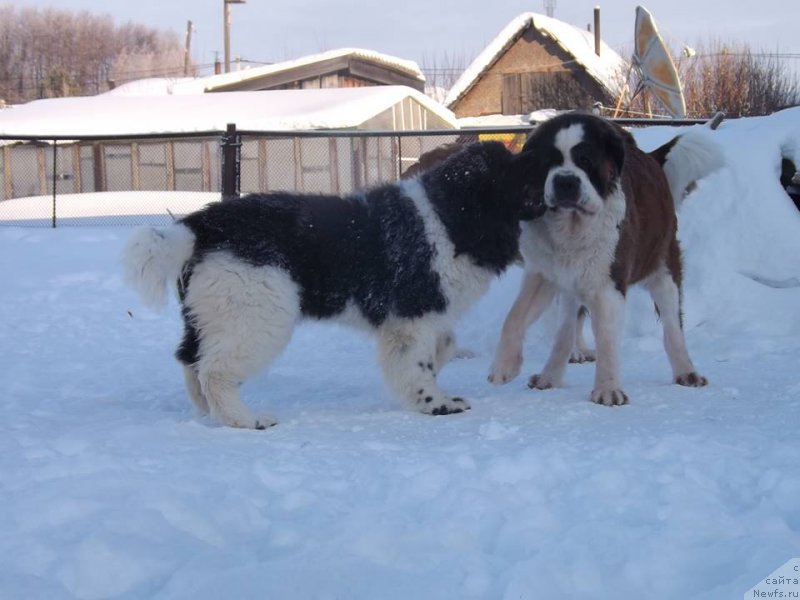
<point>578,160</point>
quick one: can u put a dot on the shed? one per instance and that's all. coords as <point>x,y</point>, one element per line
<point>121,162</point>
<point>538,62</point>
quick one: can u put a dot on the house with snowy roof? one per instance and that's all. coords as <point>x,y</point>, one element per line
<point>538,62</point>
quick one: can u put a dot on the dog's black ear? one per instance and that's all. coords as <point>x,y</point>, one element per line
<point>492,156</point>
<point>475,164</point>
<point>615,148</point>
<point>526,179</point>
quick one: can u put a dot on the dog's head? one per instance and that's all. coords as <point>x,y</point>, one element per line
<point>481,194</point>
<point>487,180</point>
<point>578,162</point>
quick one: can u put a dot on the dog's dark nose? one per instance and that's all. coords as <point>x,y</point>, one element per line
<point>566,189</point>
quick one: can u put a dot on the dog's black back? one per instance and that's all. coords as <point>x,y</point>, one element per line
<point>372,249</point>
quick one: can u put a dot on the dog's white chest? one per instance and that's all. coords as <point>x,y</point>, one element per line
<point>576,257</point>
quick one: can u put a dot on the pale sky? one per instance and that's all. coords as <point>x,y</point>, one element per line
<point>427,30</point>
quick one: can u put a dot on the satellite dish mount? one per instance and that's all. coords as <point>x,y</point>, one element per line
<point>653,64</point>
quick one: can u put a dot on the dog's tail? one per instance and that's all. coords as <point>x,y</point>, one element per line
<point>154,258</point>
<point>688,158</point>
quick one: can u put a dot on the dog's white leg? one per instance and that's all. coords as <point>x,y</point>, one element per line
<point>445,349</point>
<point>607,309</point>
<point>244,317</point>
<point>193,387</point>
<point>553,373</point>
<point>407,353</point>
<point>535,295</point>
<point>221,388</point>
<point>581,353</point>
<point>667,297</point>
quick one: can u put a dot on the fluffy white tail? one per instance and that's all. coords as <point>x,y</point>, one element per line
<point>153,260</point>
<point>688,158</point>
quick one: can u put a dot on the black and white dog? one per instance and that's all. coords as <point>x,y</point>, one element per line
<point>404,261</point>
<point>610,223</point>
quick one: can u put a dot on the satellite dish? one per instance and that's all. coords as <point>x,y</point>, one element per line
<point>655,67</point>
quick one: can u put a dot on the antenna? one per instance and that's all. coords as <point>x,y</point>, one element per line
<point>549,7</point>
<point>654,64</point>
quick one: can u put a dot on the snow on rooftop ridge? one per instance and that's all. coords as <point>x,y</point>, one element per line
<point>406,66</point>
<point>272,110</point>
<point>160,86</point>
<point>606,68</point>
<point>198,85</point>
<point>498,120</point>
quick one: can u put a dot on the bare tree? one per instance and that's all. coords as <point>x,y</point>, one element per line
<point>441,72</point>
<point>731,78</point>
<point>50,52</point>
<point>741,82</point>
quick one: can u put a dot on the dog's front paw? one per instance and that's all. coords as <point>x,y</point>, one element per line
<point>581,356</point>
<point>505,369</point>
<point>540,381</point>
<point>265,422</point>
<point>445,406</point>
<point>692,379</point>
<point>249,422</point>
<point>609,397</point>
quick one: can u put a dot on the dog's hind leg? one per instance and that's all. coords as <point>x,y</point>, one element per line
<point>535,295</point>
<point>407,352</point>
<point>244,317</point>
<point>187,355</point>
<point>581,353</point>
<point>665,291</point>
<point>193,388</point>
<point>553,372</point>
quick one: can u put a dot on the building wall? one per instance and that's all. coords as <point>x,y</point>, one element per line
<point>319,164</point>
<point>335,80</point>
<point>531,52</point>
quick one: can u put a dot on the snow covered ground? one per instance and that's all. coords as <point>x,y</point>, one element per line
<point>111,486</point>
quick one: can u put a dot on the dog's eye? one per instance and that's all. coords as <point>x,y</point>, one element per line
<point>583,161</point>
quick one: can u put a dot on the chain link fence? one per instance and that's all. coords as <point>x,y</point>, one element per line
<point>99,181</point>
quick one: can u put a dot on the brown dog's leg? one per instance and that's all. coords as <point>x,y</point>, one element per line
<point>534,297</point>
<point>607,308</point>
<point>664,288</point>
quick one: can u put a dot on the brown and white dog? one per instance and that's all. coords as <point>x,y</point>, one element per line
<point>611,223</point>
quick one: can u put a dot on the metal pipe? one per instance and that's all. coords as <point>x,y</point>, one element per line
<point>597,30</point>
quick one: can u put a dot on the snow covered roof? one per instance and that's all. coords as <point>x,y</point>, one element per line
<point>198,85</point>
<point>160,86</point>
<point>407,67</point>
<point>605,69</point>
<point>497,120</point>
<point>274,110</point>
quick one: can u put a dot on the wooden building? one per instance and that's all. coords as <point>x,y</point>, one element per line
<point>346,67</point>
<point>535,63</point>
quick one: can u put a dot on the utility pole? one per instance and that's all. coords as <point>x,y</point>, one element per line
<point>188,50</point>
<point>226,29</point>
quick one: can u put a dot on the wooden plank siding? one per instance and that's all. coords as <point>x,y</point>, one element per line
<point>320,74</point>
<point>515,83</point>
<point>525,92</point>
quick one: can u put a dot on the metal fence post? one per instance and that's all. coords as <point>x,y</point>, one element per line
<point>55,171</point>
<point>399,156</point>
<point>231,163</point>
